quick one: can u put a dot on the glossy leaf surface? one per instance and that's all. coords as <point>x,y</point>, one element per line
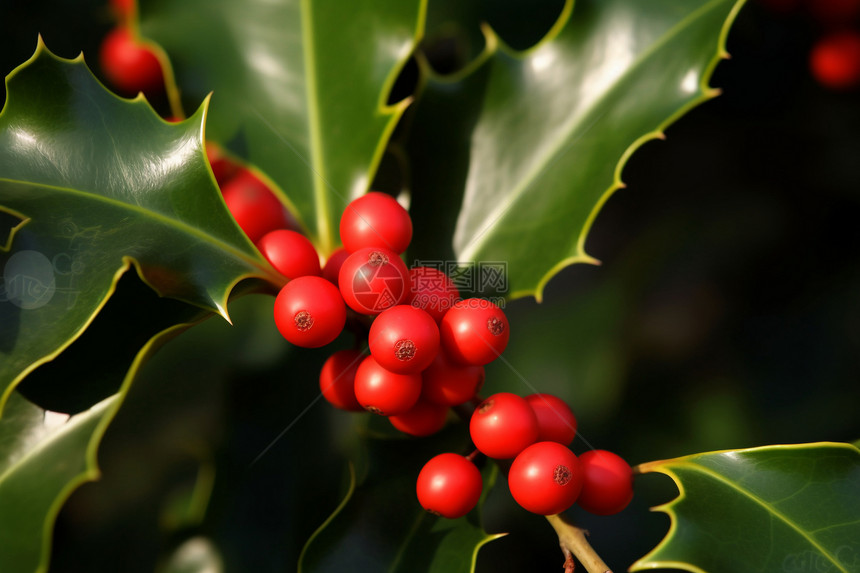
<point>774,508</point>
<point>533,142</point>
<point>299,88</point>
<point>102,184</point>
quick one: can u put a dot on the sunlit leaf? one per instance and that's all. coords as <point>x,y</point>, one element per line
<point>299,88</point>
<point>102,185</point>
<point>533,143</point>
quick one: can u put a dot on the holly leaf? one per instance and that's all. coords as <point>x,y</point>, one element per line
<point>102,184</point>
<point>534,142</point>
<point>300,88</point>
<point>44,457</point>
<point>774,508</point>
<point>369,532</point>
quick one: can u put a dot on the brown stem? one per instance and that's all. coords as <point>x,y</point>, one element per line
<point>570,538</point>
<point>573,543</point>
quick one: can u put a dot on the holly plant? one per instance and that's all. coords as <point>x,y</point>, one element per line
<point>260,266</point>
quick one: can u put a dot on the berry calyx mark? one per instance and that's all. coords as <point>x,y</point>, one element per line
<point>374,410</point>
<point>404,350</point>
<point>377,259</point>
<point>485,406</point>
<point>495,326</point>
<point>561,475</point>
<point>304,320</point>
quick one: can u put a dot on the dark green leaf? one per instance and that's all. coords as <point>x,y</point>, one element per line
<point>775,508</point>
<point>102,184</point>
<point>44,457</point>
<point>300,88</point>
<point>533,143</point>
<point>380,526</point>
<point>236,396</point>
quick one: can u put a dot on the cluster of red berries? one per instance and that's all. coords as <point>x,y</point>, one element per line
<point>427,346</point>
<point>427,351</point>
<point>545,477</point>
<point>834,60</point>
<point>129,65</point>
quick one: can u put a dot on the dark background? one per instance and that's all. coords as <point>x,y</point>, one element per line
<point>725,315</point>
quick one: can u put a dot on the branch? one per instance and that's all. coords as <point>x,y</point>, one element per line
<point>573,542</point>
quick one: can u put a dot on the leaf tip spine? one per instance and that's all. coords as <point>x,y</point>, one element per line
<point>222,310</point>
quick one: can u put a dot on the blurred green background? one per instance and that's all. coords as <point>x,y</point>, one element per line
<point>726,314</point>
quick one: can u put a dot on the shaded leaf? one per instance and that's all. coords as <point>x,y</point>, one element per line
<point>774,508</point>
<point>380,526</point>
<point>239,396</point>
<point>102,184</point>
<point>132,315</point>
<point>44,457</point>
<point>534,142</point>
<point>300,88</point>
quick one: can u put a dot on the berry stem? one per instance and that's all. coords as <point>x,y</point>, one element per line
<point>573,542</point>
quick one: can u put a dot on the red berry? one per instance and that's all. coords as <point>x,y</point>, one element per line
<point>449,485</point>
<point>383,392</point>
<point>375,220</point>
<point>432,291</point>
<point>449,383</point>
<point>474,331</point>
<point>129,65</point>
<point>253,205</point>
<point>309,312</point>
<point>607,485</point>
<point>545,478</point>
<point>835,60</point>
<point>404,339</point>
<point>223,169</point>
<point>503,425</point>
<point>372,280</point>
<point>332,265</point>
<point>423,419</point>
<point>337,379</point>
<point>291,253</point>
<point>556,422</point>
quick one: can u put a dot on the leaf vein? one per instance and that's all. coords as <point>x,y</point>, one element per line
<point>767,507</point>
